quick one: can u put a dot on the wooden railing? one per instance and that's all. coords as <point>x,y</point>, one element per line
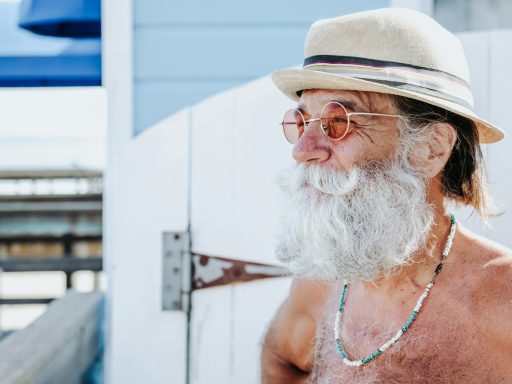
<point>59,346</point>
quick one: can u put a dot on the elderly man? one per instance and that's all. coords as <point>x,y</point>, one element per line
<point>388,287</point>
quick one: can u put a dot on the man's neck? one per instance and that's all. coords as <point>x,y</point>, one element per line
<point>420,271</point>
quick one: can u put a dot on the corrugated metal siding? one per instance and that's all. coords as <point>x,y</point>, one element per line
<point>187,51</point>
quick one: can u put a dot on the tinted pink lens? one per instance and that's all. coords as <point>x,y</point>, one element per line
<point>293,125</point>
<point>334,120</point>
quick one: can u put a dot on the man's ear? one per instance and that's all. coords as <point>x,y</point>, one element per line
<point>433,154</point>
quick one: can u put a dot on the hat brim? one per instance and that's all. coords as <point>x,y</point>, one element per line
<point>292,81</point>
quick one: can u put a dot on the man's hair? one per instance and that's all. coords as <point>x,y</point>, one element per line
<point>463,176</point>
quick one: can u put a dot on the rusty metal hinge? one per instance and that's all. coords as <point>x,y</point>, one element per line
<point>211,271</point>
<point>184,272</point>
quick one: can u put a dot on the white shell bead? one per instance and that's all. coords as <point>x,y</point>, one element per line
<point>353,363</point>
<point>397,336</point>
<point>386,345</point>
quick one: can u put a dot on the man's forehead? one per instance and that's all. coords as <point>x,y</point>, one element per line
<point>353,100</point>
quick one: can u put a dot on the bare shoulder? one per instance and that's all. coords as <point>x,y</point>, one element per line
<point>490,262</point>
<point>487,274</point>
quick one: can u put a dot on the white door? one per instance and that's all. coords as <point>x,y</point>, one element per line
<point>237,151</point>
<point>147,342</point>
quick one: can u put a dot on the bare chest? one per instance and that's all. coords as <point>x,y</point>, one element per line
<point>442,346</point>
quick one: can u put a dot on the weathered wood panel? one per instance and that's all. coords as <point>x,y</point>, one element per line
<point>56,348</point>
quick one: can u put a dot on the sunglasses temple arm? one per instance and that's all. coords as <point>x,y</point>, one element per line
<point>372,114</point>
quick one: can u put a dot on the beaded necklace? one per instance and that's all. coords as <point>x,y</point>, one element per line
<point>410,320</point>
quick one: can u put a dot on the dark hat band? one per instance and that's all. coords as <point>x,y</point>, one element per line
<point>428,81</point>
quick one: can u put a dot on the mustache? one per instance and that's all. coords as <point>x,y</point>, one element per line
<point>325,180</point>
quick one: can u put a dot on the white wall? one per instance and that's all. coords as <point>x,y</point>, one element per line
<point>425,6</point>
<point>489,54</point>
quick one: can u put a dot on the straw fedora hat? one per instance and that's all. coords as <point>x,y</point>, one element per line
<point>392,50</point>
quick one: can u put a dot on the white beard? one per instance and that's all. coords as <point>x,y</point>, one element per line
<point>355,226</point>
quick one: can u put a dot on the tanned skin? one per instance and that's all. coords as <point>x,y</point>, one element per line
<point>288,349</point>
<point>470,304</point>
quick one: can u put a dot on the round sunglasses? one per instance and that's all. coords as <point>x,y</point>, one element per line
<point>334,121</point>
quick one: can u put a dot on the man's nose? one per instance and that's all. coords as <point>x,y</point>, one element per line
<point>312,146</point>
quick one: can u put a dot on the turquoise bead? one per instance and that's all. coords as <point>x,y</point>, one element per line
<point>371,357</point>
<point>340,349</point>
<point>342,299</point>
<point>409,321</point>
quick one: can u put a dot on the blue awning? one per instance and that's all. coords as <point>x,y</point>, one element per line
<point>78,65</point>
<point>29,60</point>
<point>63,18</point>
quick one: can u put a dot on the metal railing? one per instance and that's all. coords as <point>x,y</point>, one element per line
<point>72,182</point>
<point>67,263</point>
<point>68,195</point>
